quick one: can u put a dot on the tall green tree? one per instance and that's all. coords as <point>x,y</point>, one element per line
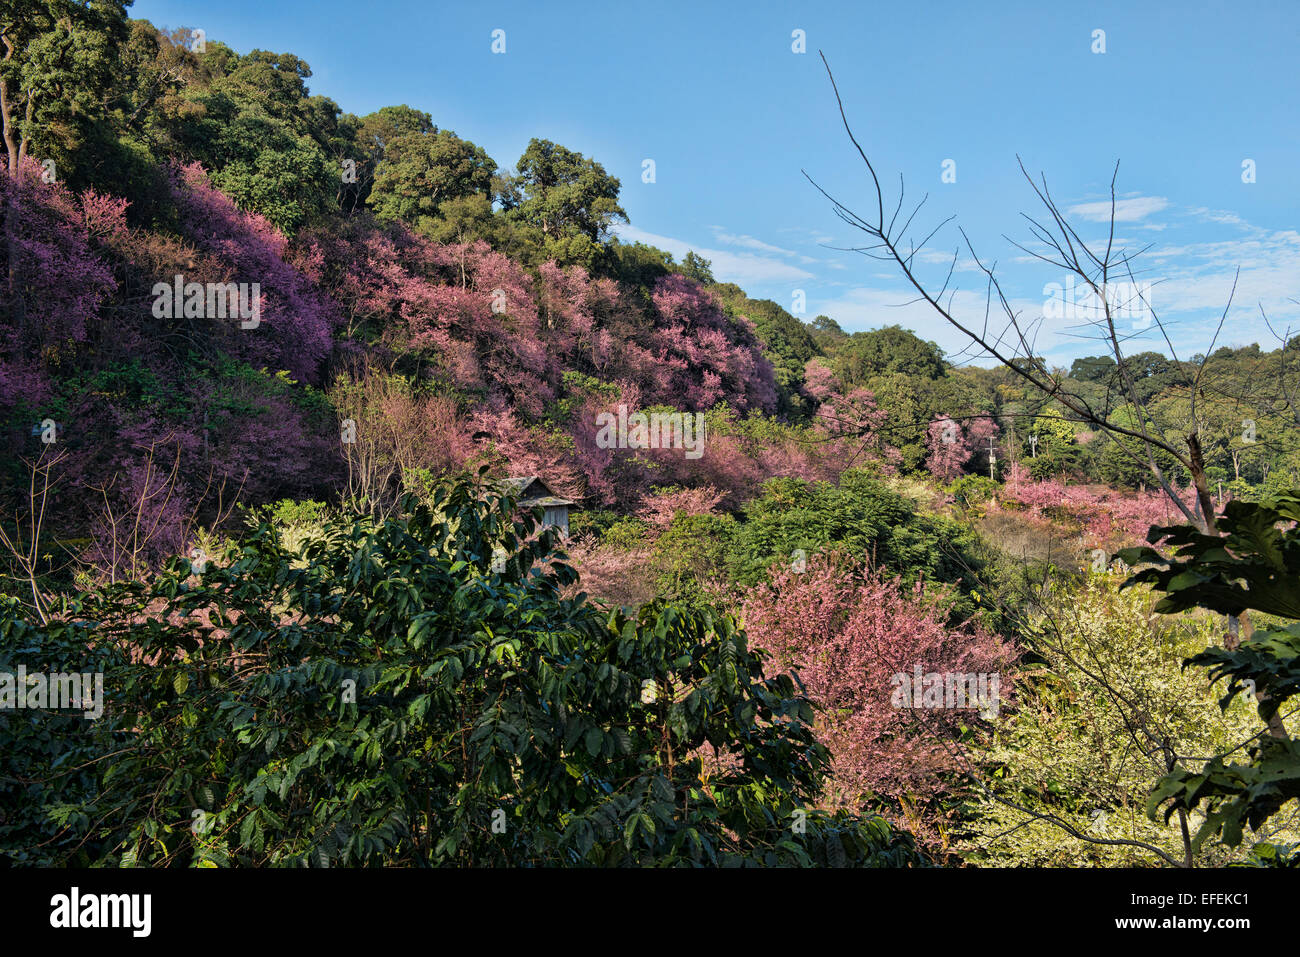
<point>567,198</point>
<point>887,350</point>
<point>267,143</point>
<point>59,58</point>
<point>387,123</point>
<point>421,171</point>
<point>697,267</point>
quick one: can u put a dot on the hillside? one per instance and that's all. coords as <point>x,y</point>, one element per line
<point>264,365</point>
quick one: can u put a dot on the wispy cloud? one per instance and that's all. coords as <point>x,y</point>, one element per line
<point>1126,210</point>
<point>748,242</point>
<point>1218,216</point>
<point>1190,285</point>
<point>728,266</point>
<point>964,264</point>
<point>817,236</point>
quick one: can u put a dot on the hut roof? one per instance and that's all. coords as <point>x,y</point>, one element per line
<point>531,490</point>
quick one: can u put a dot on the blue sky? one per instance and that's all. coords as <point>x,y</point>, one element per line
<point>713,93</point>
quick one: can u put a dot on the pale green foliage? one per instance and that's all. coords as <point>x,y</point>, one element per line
<point>1086,740</point>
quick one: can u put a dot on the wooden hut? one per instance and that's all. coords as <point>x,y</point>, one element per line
<point>531,491</point>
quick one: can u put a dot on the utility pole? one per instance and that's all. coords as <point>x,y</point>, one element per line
<point>993,459</point>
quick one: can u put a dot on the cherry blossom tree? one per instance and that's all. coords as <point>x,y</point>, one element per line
<point>850,631</point>
<point>57,282</point>
<point>949,449</point>
<point>699,356</point>
<point>296,323</point>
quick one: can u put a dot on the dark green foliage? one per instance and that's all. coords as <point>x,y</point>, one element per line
<point>826,332</point>
<point>52,774</point>
<point>494,722</point>
<point>972,490</point>
<point>697,268</point>
<point>268,145</point>
<point>566,201</point>
<point>58,68</point>
<point>694,548</point>
<point>886,350</point>
<point>1253,564</point>
<point>639,265</point>
<point>1093,369</point>
<point>386,124</point>
<point>913,402</point>
<point>421,172</point>
<point>859,517</point>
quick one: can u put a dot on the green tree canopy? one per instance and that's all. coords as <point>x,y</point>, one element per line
<point>697,267</point>
<point>567,198</point>
<point>267,144</point>
<point>423,170</point>
<point>887,350</point>
<point>58,60</point>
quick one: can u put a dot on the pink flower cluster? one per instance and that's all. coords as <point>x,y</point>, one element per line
<point>659,508</point>
<point>58,280</point>
<point>953,444</point>
<point>849,630</point>
<point>295,332</point>
<point>1104,515</point>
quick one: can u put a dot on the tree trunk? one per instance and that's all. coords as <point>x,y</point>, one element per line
<point>13,151</point>
<point>7,110</point>
<point>1239,629</point>
<point>1202,486</point>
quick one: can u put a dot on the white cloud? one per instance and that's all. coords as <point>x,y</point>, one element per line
<point>1219,216</point>
<point>812,235</point>
<point>964,264</point>
<point>1199,276</point>
<point>728,266</point>
<point>1190,271</point>
<point>1126,210</point>
<point>748,242</point>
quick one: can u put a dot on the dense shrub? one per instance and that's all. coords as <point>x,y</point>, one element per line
<point>859,516</point>
<point>385,696</point>
<point>1095,728</point>
<point>850,631</point>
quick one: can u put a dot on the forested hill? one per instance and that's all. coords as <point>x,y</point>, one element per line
<point>265,366</point>
<point>455,310</point>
